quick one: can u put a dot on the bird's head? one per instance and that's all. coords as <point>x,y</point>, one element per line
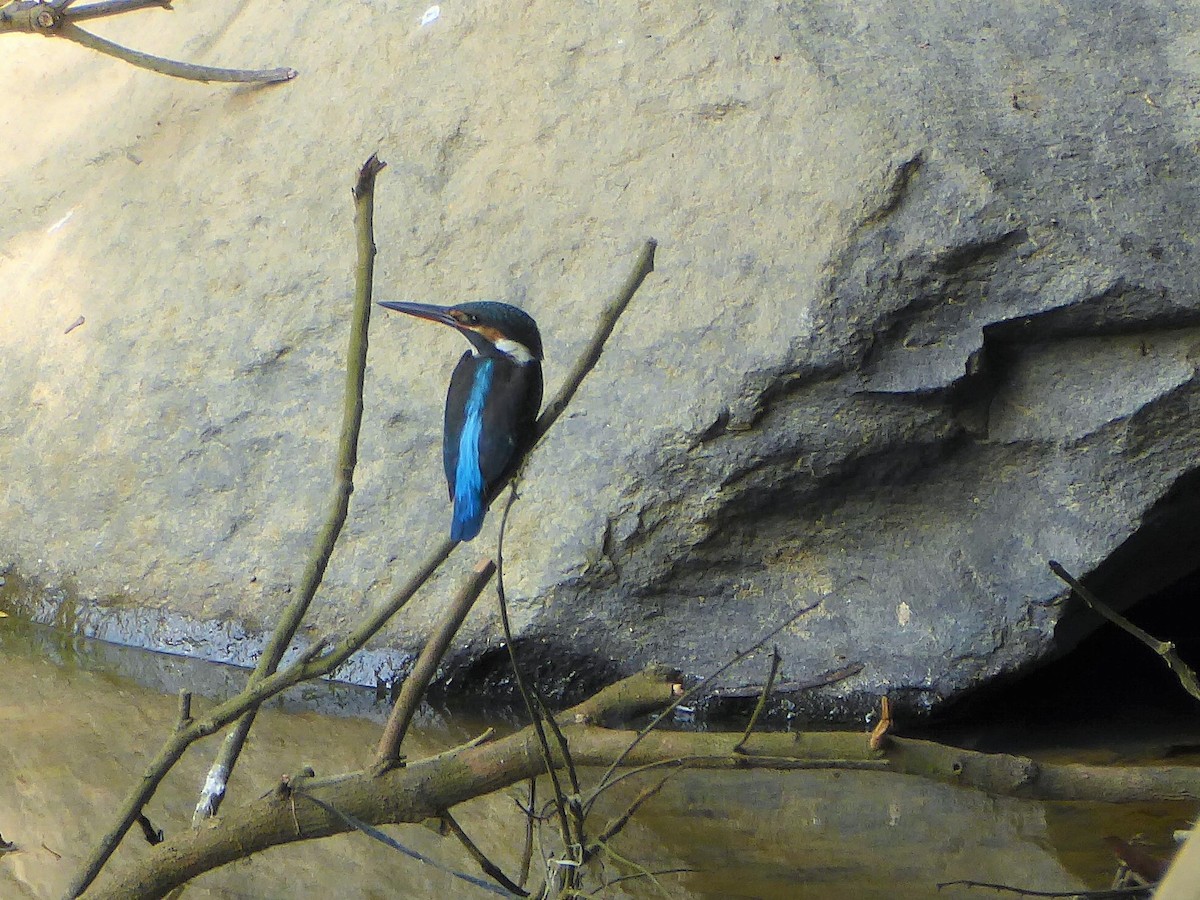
<point>494,329</point>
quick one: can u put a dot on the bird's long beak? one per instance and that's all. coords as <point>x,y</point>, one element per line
<point>421,311</point>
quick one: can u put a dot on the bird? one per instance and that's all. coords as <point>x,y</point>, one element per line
<point>492,404</point>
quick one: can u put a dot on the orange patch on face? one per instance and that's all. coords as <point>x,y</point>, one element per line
<point>491,334</point>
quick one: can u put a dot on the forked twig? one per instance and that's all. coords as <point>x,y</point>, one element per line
<point>59,18</point>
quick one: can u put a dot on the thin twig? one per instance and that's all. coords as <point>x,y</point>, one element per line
<point>527,852</point>
<point>1165,649</point>
<point>613,828</point>
<point>560,801</point>
<point>610,883</point>
<point>572,775</point>
<point>762,702</point>
<point>638,868</point>
<point>745,692</point>
<point>387,756</point>
<point>386,839</point>
<point>175,69</point>
<point>184,717</point>
<point>604,327</point>
<point>648,767</point>
<point>111,8</point>
<point>489,868</point>
<point>1100,894</point>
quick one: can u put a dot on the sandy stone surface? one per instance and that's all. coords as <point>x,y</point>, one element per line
<point>921,318</point>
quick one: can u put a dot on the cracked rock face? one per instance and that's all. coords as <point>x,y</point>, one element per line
<point>924,316</point>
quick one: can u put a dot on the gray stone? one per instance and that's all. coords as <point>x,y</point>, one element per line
<point>924,316</point>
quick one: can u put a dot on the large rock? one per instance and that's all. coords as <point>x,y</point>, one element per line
<point>924,316</point>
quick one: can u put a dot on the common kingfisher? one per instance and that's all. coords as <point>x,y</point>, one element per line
<point>492,405</point>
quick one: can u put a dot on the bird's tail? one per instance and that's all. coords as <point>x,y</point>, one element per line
<point>469,510</point>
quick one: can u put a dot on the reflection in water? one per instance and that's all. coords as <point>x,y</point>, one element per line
<point>74,735</point>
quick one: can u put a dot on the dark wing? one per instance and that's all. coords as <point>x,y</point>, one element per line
<point>508,418</point>
<point>456,410</point>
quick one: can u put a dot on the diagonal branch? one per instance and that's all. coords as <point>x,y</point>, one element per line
<point>1165,649</point>
<point>604,327</point>
<point>387,756</point>
<point>489,868</point>
<point>175,69</point>
<point>58,19</point>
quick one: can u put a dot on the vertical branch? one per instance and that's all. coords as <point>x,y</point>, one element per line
<point>343,487</point>
<point>527,851</point>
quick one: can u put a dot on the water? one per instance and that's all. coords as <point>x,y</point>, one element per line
<point>79,719</point>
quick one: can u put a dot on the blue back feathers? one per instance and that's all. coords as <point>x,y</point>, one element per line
<point>469,505</point>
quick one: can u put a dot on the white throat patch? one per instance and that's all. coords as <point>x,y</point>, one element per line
<point>517,351</point>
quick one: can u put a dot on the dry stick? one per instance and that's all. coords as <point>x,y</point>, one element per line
<point>310,667</point>
<point>604,327</point>
<point>184,719</point>
<point>56,20</point>
<point>527,852</point>
<point>174,68</point>
<point>670,708</point>
<point>343,487</point>
<point>1100,894</point>
<point>613,828</point>
<point>1165,649</point>
<point>111,8</point>
<point>489,868</point>
<point>387,756</point>
<point>762,702</point>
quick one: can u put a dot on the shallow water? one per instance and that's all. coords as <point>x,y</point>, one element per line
<point>76,728</point>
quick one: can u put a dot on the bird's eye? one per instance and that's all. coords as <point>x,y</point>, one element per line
<point>469,319</point>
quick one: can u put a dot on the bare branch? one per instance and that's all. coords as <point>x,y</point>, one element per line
<point>489,868</point>
<point>387,756</point>
<point>762,701</point>
<point>1165,649</point>
<point>189,71</point>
